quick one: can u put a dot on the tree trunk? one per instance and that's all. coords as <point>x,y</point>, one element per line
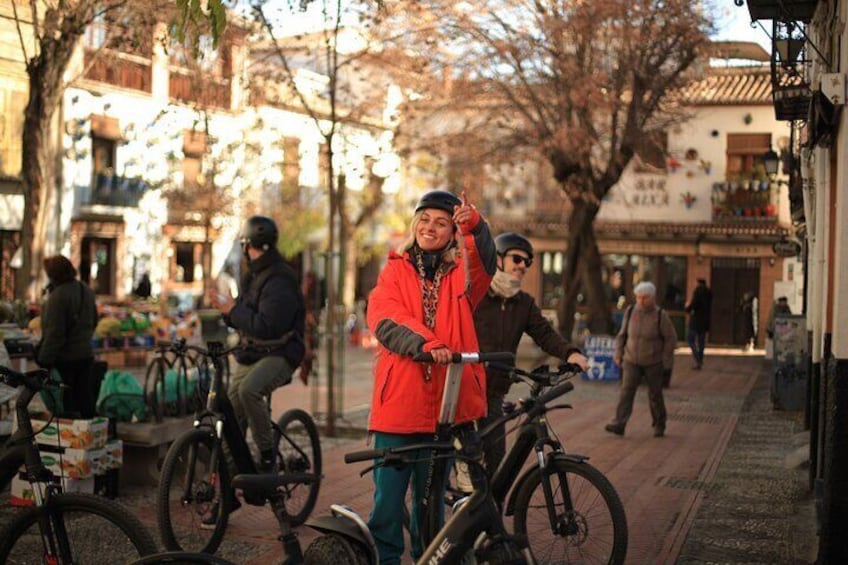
<point>583,264</point>
<point>332,312</point>
<point>34,156</point>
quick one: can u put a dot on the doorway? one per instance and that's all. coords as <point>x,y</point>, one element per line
<point>731,279</point>
<point>97,264</point>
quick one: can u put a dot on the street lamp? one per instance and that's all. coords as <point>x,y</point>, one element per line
<point>771,161</point>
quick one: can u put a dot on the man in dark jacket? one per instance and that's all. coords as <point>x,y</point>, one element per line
<point>699,321</point>
<point>269,307</point>
<point>501,318</point>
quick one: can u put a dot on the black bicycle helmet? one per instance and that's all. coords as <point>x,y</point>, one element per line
<point>260,232</point>
<point>439,199</point>
<point>506,241</point>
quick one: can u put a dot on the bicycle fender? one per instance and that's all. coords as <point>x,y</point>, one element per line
<point>347,523</point>
<point>509,509</point>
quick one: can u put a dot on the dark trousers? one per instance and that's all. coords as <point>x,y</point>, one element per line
<point>697,341</point>
<point>631,377</point>
<point>80,398</point>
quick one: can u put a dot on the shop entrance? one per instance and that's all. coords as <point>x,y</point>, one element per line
<point>730,280</point>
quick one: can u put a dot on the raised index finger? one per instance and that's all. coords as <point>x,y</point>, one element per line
<point>464,199</point>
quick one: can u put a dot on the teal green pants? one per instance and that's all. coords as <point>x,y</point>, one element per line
<point>391,485</point>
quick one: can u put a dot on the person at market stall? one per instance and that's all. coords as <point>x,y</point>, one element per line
<point>423,302</point>
<point>68,319</point>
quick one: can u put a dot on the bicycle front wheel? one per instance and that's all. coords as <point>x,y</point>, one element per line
<point>98,531</point>
<point>593,530</point>
<point>193,500</point>
<point>298,451</point>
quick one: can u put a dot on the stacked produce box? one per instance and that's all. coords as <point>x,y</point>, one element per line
<point>80,455</point>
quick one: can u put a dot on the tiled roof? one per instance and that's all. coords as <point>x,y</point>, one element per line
<point>743,229</point>
<point>731,85</point>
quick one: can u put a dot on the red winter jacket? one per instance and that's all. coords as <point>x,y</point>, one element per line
<point>403,402</point>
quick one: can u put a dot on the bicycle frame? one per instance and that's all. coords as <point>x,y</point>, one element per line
<point>219,410</point>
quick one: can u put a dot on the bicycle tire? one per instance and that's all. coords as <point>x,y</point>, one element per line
<point>298,450</point>
<point>86,518</point>
<point>604,540</point>
<point>185,486</point>
<point>181,405</point>
<point>182,557</point>
<point>154,388</point>
<point>335,548</point>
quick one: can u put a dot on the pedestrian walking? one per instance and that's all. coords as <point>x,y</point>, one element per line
<point>749,308</point>
<point>504,314</point>
<point>699,321</point>
<point>423,302</point>
<point>644,348</point>
<point>68,320</point>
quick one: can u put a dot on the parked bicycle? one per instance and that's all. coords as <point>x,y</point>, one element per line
<point>565,508</point>
<point>195,494</point>
<point>61,528</point>
<point>186,364</point>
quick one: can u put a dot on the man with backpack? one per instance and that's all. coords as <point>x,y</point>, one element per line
<point>644,349</point>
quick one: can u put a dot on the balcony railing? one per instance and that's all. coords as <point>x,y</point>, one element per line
<point>116,190</point>
<point>119,70</point>
<point>208,91</point>
<point>746,200</point>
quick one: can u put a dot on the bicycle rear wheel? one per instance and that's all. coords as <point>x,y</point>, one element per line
<point>298,451</point>
<point>154,386</point>
<point>98,531</point>
<point>596,530</point>
<point>191,488</point>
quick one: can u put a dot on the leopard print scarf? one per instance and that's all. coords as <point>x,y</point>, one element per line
<point>430,296</point>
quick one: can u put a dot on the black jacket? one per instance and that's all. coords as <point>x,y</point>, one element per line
<point>68,320</point>
<point>500,323</point>
<point>699,309</point>
<point>269,305</point>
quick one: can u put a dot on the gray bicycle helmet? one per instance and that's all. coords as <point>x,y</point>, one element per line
<point>440,200</point>
<point>260,232</point>
<point>510,240</point>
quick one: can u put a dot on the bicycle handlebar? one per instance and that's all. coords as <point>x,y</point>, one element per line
<point>370,454</point>
<point>471,357</point>
<point>33,380</point>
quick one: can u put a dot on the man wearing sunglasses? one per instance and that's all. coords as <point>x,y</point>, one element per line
<point>501,318</point>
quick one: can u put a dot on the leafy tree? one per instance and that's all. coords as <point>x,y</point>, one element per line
<point>585,85</point>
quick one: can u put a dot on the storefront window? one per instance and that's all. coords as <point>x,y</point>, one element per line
<point>551,278</point>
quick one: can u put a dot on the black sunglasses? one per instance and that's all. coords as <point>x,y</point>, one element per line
<point>518,259</point>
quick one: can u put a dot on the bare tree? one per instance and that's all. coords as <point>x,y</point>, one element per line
<point>339,108</point>
<point>586,85</point>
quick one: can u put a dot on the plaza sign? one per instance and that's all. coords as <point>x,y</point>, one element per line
<point>786,248</point>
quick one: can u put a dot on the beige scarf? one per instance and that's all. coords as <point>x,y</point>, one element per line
<point>504,284</point>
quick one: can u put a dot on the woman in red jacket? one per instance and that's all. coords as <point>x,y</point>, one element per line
<point>423,302</point>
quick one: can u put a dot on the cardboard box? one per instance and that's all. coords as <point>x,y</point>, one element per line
<point>77,434</point>
<point>23,494</point>
<point>111,456</point>
<point>72,463</point>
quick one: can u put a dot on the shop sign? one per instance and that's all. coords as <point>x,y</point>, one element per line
<point>786,248</point>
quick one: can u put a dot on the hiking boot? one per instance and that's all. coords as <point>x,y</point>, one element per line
<point>616,429</point>
<point>208,522</point>
<point>659,432</point>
